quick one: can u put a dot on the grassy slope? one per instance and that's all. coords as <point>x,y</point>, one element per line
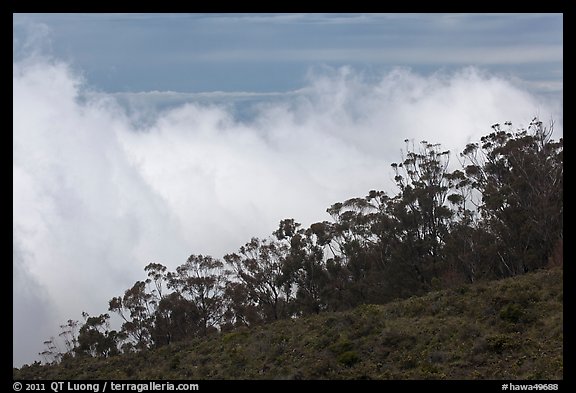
<point>507,329</point>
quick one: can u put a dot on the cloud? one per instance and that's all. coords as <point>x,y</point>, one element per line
<point>512,54</point>
<point>29,38</point>
<point>97,196</point>
<point>30,313</point>
<point>84,220</point>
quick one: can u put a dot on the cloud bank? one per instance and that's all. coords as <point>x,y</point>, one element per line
<point>98,195</point>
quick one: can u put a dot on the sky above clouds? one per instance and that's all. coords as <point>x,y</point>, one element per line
<point>146,138</point>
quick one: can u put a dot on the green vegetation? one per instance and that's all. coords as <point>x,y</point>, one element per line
<point>469,332</point>
<point>500,216</point>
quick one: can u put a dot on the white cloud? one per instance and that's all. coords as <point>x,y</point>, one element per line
<point>96,198</point>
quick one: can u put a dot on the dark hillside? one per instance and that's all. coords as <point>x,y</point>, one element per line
<point>506,329</point>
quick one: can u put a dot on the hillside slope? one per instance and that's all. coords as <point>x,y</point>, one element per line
<point>507,329</point>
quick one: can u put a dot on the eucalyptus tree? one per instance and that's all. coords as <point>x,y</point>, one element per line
<point>259,266</point>
<point>202,281</point>
<point>519,175</point>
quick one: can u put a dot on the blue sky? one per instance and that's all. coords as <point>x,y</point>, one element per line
<point>271,52</point>
<point>147,138</point>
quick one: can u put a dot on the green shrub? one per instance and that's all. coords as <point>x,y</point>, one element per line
<point>229,337</point>
<point>408,362</point>
<point>348,358</point>
<point>511,313</point>
<point>498,343</point>
<point>341,346</point>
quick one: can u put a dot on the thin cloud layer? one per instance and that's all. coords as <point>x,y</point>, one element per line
<point>97,196</point>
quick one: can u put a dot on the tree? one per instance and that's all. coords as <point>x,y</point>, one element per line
<point>157,274</point>
<point>241,308</point>
<point>201,281</point>
<point>520,178</point>
<point>259,266</point>
<point>140,306</point>
<point>424,183</point>
<point>69,334</point>
<point>96,339</point>
<point>304,267</point>
<point>355,269</point>
<point>52,353</point>
<point>176,319</point>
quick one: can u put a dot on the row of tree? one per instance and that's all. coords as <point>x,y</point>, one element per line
<point>499,215</point>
